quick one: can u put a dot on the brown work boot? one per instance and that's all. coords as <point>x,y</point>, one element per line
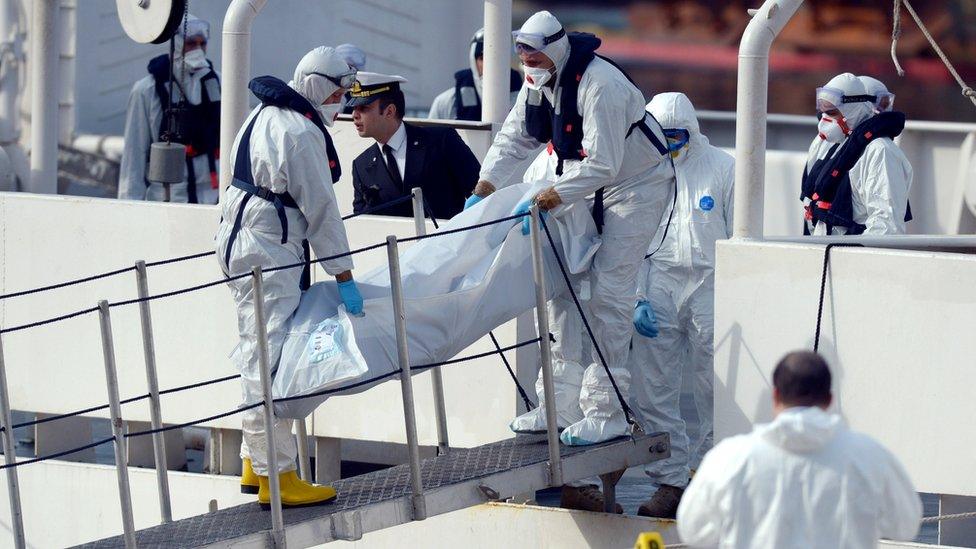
<point>663,504</point>
<point>585,498</point>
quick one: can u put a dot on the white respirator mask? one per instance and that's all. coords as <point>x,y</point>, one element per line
<point>536,77</point>
<point>830,130</point>
<point>195,59</point>
<point>329,113</point>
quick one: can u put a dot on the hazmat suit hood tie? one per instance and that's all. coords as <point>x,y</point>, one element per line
<point>272,91</point>
<point>801,430</point>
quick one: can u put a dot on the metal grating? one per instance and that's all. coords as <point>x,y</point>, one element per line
<point>459,465</point>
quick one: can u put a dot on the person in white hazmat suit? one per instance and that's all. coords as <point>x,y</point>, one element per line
<point>607,147</point>
<point>803,480</point>
<point>196,91</point>
<point>284,169</point>
<point>675,307</point>
<point>856,179</point>
<point>463,101</point>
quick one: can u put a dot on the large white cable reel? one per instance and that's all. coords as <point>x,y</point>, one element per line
<point>150,21</point>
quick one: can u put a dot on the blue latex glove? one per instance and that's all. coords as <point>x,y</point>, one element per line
<point>644,320</point>
<point>523,208</point>
<point>472,200</point>
<point>351,297</point>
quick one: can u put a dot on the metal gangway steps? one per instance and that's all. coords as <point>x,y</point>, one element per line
<point>382,499</point>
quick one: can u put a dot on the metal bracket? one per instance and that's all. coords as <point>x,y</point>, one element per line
<point>610,481</point>
<point>347,526</point>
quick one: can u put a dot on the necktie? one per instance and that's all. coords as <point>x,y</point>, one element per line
<point>391,165</point>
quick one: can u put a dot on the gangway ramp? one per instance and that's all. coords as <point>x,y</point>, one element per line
<point>374,501</point>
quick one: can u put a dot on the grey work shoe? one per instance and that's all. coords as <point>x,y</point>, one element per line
<point>585,498</point>
<point>663,504</point>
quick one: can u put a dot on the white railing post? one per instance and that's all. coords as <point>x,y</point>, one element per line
<point>152,380</point>
<point>750,114</point>
<point>496,97</point>
<point>304,463</point>
<point>235,72</point>
<point>118,427</point>
<point>264,365</point>
<point>436,378</point>
<point>406,382</point>
<point>542,319</point>
<point>10,458</point>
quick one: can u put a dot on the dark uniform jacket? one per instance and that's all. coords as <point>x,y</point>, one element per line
<point>437,161</point>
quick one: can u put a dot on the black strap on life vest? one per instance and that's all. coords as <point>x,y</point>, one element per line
<point>827,185</point>
<point>465,79</point>
<point>244,180</point>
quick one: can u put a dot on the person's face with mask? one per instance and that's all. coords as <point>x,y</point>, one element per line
<point>832,126</point>
<point>330,108</point>
<point>195,52</point>
<point>538,67</point>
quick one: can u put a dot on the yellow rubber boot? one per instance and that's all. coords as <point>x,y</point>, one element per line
<point>295,492</point>
<point>249,480</point>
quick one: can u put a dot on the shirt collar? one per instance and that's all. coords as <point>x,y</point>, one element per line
<point>398,138</point>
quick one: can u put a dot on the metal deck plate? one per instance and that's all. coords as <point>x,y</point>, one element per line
<point>382,499</point>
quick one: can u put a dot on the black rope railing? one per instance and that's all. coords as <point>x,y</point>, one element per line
<point>498,349</point>
<point>178,259</point>
<point>58,454</point>
<point>628,412</point>
<point>823,287</point>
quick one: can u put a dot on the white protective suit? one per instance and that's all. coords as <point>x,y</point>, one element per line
<point>143,116</point>
<point>880,180</point>
<point>638,183</point>
<point>568,333</point>
<point>443,107</point>
<point>287,153</point>
<point>679,282</point>
<point>878,89</point>
<point>804,480</point>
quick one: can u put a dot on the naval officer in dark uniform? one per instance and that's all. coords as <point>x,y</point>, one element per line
<point>405,155</point>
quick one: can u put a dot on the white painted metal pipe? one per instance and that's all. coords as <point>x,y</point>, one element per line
<point>10,458</point>
<point>236,71</point>
<point>10,60</point>
<point>68,29</point>
<point>751,104</point>
<point>264,365</point>
<point>118,426</point>
<point>406,381</point>
<point>152,382</point>
<point>542,320</point>
<point>897,242</point>
<point>45,88</point>
<point>436,378</point>
<point>498,46</point>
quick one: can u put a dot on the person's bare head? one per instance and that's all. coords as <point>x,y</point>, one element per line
<point>801,378</point>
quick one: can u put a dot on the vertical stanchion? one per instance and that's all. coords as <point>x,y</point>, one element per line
<point>155,414</point>
<point>10,458</point>
<point>264,365</point>
<point>304,464</point>
<point>542,319</point>
<point>115,409</point>
<point>436,379</point>
<point>406,383</point>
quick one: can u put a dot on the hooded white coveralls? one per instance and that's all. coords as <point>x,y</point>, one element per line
<point>443,107</point>
<point>288,153</point>
<point>880,180</point>
<point>804,480</point>
<point>638,182</point>
<point>679,282</point>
